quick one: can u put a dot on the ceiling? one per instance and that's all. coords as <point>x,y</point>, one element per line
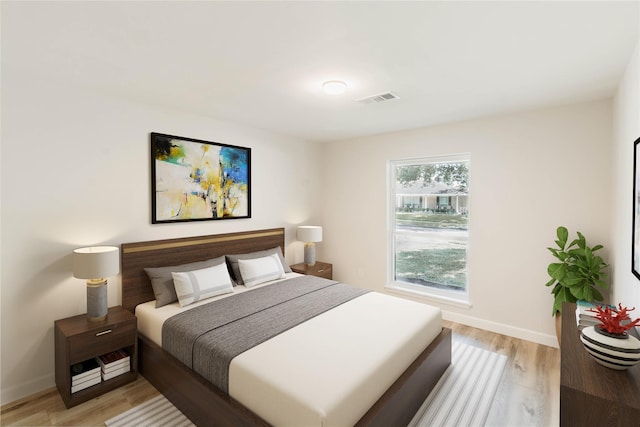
<point>262,63</point>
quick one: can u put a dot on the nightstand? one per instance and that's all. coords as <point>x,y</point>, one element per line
<point>79,341</point>
<point>320,269</point>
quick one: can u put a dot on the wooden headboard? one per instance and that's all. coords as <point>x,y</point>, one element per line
<point>135,257</point>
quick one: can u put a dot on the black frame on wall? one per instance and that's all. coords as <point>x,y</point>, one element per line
<point>196,180</point>
<point>635,241</point>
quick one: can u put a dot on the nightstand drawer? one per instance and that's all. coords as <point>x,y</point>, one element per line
<point>319,269</point>
<point>101,340</point>
<point>325,271</point>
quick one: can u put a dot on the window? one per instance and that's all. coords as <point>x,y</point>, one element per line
<point>429,232</point>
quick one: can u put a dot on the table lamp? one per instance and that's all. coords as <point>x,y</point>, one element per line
<point>95,264</point>
<point>309,234</point>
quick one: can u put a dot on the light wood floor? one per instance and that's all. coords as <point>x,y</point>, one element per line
<point>528,394</point>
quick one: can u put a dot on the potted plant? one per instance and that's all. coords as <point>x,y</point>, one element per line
<point>577,274</point>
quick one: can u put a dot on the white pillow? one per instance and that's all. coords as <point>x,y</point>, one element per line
<point>196,285</point>
<point>260,270</point>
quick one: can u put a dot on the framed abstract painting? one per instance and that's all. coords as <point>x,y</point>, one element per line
<point>635,245</point>
<point>195,180</point>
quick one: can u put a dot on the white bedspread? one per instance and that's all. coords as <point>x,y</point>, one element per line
<point>329,370</point>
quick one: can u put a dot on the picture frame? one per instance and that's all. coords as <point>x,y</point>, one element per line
<point>196,180</point>
<point>635,244</point>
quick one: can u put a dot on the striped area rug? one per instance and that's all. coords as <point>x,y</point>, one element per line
<point>461,398</point>
<point>155,412</point>
<point>464,394</point>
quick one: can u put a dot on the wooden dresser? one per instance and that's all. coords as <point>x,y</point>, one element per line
<point>591,394</point>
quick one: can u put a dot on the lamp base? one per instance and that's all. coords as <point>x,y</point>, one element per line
<point>97,300</point>
<point>310,253</point>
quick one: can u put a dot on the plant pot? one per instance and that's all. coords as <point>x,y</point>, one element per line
<point>615,351</point>
<point>559,329</point>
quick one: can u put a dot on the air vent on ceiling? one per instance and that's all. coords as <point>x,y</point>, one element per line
<point>381,97</point>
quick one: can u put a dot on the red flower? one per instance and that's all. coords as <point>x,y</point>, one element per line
<point>611,318</point>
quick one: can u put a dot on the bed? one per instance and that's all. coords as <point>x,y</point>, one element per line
<point>406,383</point>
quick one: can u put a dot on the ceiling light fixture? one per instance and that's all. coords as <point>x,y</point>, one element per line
<point>334,87</point>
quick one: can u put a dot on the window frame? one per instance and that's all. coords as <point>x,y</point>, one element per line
<point>456,298</point>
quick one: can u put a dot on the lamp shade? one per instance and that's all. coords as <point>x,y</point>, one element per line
<point>96,262</point>
<point>309,233</point>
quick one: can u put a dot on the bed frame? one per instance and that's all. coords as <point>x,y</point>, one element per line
<point>204,403</point>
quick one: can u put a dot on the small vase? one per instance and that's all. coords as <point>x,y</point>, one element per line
<point>615,351</point>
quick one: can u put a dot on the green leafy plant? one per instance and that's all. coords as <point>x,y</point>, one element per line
<point>579,272</point>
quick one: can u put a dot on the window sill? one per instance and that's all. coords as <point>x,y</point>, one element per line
<point>425,295</point>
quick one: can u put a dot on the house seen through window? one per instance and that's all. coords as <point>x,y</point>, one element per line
<point>429,226</point>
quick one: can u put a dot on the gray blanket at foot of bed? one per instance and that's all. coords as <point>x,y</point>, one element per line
<point>208,337</point>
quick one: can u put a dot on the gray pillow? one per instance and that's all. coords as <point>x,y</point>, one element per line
<point>162,281</point>
<point>232,260</point>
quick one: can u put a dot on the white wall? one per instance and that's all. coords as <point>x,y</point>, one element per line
<point>75,172</point>
<point>626,288</point>
<point>530,172</point>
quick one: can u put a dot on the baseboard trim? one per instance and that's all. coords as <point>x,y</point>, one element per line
<point>501,328</point>
<point>30,388</point>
